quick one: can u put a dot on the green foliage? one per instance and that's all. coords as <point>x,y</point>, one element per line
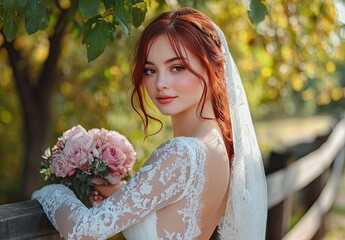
<point>97,39</point>
<point>291,61</point>
<point>257,11</point>
<point>36,17</point>
<point>100,19</point>
<point>89,8</point>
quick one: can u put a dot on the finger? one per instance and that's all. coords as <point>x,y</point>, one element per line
<point>94,192</point>
<point>119,185</point>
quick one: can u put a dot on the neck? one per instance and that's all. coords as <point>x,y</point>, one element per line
<point>191,124</point>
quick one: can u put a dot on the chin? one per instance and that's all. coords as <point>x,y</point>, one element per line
<point>166,113</point>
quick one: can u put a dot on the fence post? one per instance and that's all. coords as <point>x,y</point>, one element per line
<point>278,216</point>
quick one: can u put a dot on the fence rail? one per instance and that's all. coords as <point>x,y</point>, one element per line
<point>306,171</point>
<point>26,220</point>
<point>299,174</point>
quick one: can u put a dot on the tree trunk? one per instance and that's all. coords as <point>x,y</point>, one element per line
<point>36,122</point>
<point>35,103</point>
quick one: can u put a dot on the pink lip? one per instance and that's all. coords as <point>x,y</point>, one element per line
<point>164,99</point>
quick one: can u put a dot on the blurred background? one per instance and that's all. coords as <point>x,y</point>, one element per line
<point>292,63</point>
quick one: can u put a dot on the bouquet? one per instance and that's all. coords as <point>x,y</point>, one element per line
<point>82,158</point>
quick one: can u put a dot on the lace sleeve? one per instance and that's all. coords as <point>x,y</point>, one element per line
<point>164,179</point>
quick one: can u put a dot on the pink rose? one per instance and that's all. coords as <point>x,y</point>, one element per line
<point>78,146</point>
<point>76,154</point>
<point>116,151</point>
<point>121,141</point>
<point>79,135</point>
<point>60,143</point>
<point>60,167</point>
<point>113,155</point>
<point>96,135</point>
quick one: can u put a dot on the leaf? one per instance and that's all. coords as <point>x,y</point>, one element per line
<point>257,11</point>
<point>36,17</point>
<point>12,5</point>
<point>10,28</point>
<point>101,168</point>
<point>10,9</point>
<point>89,8</point>
<point>123,16</point>
<point>83,177</point>
<point>108,3</point>
<point>97,40</point>
<point>138,13</point>
<point>88,27</point>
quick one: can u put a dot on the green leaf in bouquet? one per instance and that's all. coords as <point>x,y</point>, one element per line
<point>81,188</point>
<point>89,160</point>
<point>104,173</point>
<point>81,176</point>
<point>101,168</point>
<point>127,177</point>
<point>76,187</point>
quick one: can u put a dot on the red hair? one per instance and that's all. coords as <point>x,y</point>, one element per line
<point>193,30</point>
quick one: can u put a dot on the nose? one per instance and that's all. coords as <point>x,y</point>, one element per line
<point>163,81</point>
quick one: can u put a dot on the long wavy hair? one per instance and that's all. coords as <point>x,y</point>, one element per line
<point>187,28</point>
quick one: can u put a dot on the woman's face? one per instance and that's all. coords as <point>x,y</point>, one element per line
<point>172,88</point>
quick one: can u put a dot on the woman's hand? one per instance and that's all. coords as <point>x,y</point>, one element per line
<point>101,192</point>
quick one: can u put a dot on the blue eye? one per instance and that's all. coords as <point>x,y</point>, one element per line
<point>149,71</point>
<point>178,68</point>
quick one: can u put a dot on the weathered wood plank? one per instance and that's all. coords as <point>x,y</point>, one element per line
<point>25,220</point>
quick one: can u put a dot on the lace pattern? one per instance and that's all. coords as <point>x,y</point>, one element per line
<point>175,171</point>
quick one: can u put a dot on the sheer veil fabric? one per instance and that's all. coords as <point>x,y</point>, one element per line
<point>246,211</point>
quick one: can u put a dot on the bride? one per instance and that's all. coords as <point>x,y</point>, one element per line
<point>208,179</point>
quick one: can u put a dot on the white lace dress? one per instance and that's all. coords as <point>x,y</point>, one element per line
<point>173,176</point>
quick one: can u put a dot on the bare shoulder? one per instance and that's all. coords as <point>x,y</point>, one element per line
<point>215,150</point>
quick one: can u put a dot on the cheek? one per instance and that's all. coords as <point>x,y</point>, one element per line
<point>149,86</point>
<point>189,84</point>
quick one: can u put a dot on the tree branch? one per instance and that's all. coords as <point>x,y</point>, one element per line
<point>48,77</point>
<point>20,75</point>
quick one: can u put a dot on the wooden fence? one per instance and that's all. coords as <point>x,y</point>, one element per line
<point>307,178</point>
<point>313,178</point>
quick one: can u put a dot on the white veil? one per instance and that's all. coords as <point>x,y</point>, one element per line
<point>246,212</point>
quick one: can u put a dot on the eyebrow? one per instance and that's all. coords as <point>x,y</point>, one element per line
<point>169,60</point>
